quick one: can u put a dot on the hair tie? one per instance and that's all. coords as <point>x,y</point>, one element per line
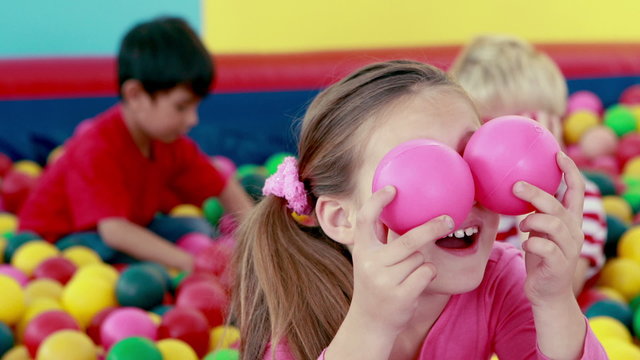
<point>285,183</point>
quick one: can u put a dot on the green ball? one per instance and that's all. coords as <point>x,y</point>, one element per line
<point>213,210</point>
<point>161,271</point>
<point>620,119</point>
<point>140,286</point>
<point>177,280</point>
<point>17,240</point>
<point>633,183</point>
<point>615,229</point>
<point>274,160</point>
<point>253,184</point>
<point>247,169</point>
<point>6,339</point>
<point>134,348</point>
<point>611,308</point>
<point>223,354</point>
<point>162,309</point>
<point>632,196</point>
<point>604,182</point>
<point>634,304</point>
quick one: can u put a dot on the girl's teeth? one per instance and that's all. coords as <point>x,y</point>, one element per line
<point>459,233</point>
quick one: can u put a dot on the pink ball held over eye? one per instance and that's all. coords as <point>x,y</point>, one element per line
<point>510,149</point>
<point>431,179</point>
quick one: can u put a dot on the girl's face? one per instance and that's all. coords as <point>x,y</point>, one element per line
<point>447,117</point>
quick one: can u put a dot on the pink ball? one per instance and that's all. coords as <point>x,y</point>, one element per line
<point>57,268</point>
<point>126,322</point>
<point>631,95</point>
<point>510,149</point>
<point>431,179</point>
<point>584,100</point>
<point>194,243</point>
<point>598,141</point>
<point>14,273</point>
<point>224,165</point>
<point>208,297</point>
<point>607,164</point>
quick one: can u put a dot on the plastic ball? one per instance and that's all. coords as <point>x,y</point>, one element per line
<point>43,288</point>
<point>55,154</point>
<point>100,271</point>
<point>604,182</point>
<point>632,168</point>
<point>274,161</point>
<point>208,297</point>
<point>248,169</point>
<point>17,274</point>
<point>162,309</point>
<point>630,96</point>
<point>576,124</point>
<point>44,325</point>
<point>93,328</point>
<point>598,141</point>
<point>253,184</point>
<point>506,150</point>
<point>196,277</point>
<point>194,243</point>
<point>223,354</point>
<point>8,223</point>
<point>620,119</point>
<point>28,167</point>
<point>611,308</point>
<point>629,244</point>
<point>134,348</point>
<point>81,256</point>
<point>606,164</point>
<point>623,275</point>
<point>422,193</point>
<point>5,164</point>
<point>223,337</point>
<point>67,345</point>
<point>126,322</point>
<point>617,206</point>
<point>584,100</point>
<point>188,325</point>
<point>628,148</point>
<point>615,229</point>
<point>633,198</point>
<point>15,189</point>
<point>224,165</point>
<point>213,210</point>
<point>214,259</point>
<point>186,210</point>
<point>174,349</point>
<point>6,339</point>
<point>30,255</point>
<point>83,299</point>
<point>12,301</point>
<point>159,270</point>
<point>91,241</point>
<point>3,246</point>
<point>17,353</point>
<point>15,241</point>
<point>577,155</point>
<point>56,268</point>
<point>612,294</point>
<point>617,349</point>
<point>141,287</point>
<point>34,309</point>
<point>604,327</point>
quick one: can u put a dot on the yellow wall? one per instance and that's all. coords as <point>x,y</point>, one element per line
<point>232,26</point>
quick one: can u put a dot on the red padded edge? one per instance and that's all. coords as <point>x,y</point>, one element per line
<point>96,76</point>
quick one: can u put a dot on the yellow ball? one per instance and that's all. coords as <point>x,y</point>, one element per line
<point>81,256</point>
<point>612,294</point>
<point>12,304</point>
<point>632,168</point>
<point>576,124</point>
<point>629,244</point>
<point>222,337</point>
<point>3,246</point>
<point>55,154</point>
<point>43,289</point>
<point>157,319</point>
<point>102,271</point>
<point>494,357</point>
<point>67,345</point>
<point>618,207</point>
<point>620,350</point>
<point>27,167</point>
<point>605,327</point>
<point>623,275</point>
<point>174,349</point>
<point>19,352</point>
<point>30,255</point>
<point>186,210</point>
<point>83,298</point>
<point>34,309</point>
<point>8,223</point>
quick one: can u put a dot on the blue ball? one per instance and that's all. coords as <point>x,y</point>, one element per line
<point>6,339</point>
<point>611,308</point>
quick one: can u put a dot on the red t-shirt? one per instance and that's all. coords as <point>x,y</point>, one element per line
<point>102,174</point>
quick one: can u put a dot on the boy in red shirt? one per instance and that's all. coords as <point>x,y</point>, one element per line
<point>135,159</point>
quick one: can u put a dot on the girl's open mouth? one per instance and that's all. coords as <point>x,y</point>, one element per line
<point>461,239</point>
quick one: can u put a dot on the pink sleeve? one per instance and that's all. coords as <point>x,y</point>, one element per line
<point>591,350</point>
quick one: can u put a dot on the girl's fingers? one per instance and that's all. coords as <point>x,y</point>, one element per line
<point>574,196</point>
<point>540,199</point>
<point>557,231</point>
<point>405,245</point>
<point>545,249</point>
<point>368,222</point>
<point>418,280</point>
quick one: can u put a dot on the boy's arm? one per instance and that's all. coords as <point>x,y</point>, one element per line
<point>234,199</point>
<point>137,241</point>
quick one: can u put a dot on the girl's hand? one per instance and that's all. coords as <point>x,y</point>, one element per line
<point>389,277</point>
<point>555,240</point>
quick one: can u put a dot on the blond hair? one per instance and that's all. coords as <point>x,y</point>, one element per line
<point>293,283</point>
<point>505,72</point>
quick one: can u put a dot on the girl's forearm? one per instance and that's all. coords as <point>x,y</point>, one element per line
<point>560,328</point>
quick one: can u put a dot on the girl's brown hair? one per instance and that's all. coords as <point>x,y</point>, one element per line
<point>293,283</point>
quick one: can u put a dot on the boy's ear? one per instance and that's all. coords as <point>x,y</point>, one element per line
<point>133,92</point>
<point>335,216</point>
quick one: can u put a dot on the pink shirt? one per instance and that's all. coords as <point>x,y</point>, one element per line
<point>495,318</point>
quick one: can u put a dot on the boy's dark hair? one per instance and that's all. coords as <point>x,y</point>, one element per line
<point>164,53</point>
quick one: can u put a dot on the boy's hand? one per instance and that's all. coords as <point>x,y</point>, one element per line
<point>388,278</point>
<point>555,240</point>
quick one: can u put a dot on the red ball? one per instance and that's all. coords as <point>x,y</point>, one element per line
<point>589,297</point>
<point>606,164</point>
<point>208,297</point>
<point>215,259</point>
<point>196,278</point>
<point>576,154</point>
<point>93,330</point>
<point>628,148</point>
<point>15,188</point>
<point>44,325</point>
<point>5,164</point>
<point>630,96</point>
<point>57,268</point>
<point>188,325</point>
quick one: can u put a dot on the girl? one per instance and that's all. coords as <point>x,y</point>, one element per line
<point>352,289</point>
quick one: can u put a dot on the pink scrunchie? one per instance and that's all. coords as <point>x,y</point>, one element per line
<point>285,183</point>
